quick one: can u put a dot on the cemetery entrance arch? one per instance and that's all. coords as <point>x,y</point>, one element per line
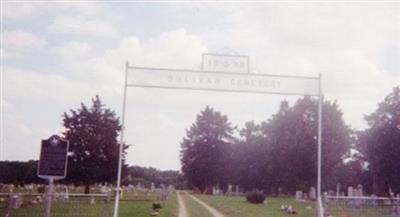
<point>213,77</point>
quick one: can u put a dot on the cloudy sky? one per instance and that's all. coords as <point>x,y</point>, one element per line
<point>58,54</point>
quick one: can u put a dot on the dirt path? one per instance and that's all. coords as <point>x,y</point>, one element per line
<point>182,208</point>
<point>213,211</point>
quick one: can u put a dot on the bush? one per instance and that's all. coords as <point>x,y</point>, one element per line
<point>156,206</point>
<point>256,197</point>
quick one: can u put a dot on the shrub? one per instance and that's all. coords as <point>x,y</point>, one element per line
<point>156,206</point>
<point>256,197</point>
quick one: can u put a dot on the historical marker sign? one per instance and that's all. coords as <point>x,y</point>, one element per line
<point>53,158</point>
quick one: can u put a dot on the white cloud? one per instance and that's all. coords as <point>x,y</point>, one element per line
<point>348,45</point>
<point>28,10</point>
<point>74,50</point>
<point>21,40</point>
<point>34,104</point>
<point>27,86</point>
<point>83,25</point>
<point>174,49</point>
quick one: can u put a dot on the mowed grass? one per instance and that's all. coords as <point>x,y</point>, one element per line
<point>130,206</point>
<point>194,209</point>
<point>60,209</point>
<point>343,210</point>
<point>239,207</point>
<point>170,208</point>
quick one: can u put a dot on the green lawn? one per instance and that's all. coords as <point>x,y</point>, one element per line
<point>239,207</point>
<point>194,209</point>
<point>342,209</point>
<point>170,208</point>
<point>130,206</point>
<point>61,209</point>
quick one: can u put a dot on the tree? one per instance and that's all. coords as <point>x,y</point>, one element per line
<point>92,134</point>
<point>380,144</point>
<point>249,161</point>
<point>19,172</point>
<point>146,176</point>
<point>206,150</point>
<point>290,137</point>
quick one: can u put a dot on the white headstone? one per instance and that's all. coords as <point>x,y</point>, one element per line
<point>359,191</point>
<point>92,200</point>
<point>163,193</point>
<point>299,195</point>
<point>350,191</point>
<point>214,190</point>
<point>15,201</point>
<point>229,192</point>
<point>66,195</point>
<point>313,193</point>
<point>237,190</point>
<point>170,189</point>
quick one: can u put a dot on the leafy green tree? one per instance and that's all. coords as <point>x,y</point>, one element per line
<point>19,172</point>
<point>291,138</point>
<point>206,150</point>
<point>92,134</point>
<point>146,176</point>
<point>249,161</point>
<point>380,144</point>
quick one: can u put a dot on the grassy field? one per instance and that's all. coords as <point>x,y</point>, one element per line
<point>170,208</point>
<point>194,208</point>
<point>239,207</point>
<point>130,206</point>
<point>363,211</point>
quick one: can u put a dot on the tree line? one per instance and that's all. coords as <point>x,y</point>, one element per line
<point>20,173</point>
<point>279,155</point>
<point>275,155</point>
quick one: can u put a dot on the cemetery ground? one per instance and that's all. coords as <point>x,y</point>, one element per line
<point>238,206</point>
<point>131,205</point>
<point>140,205</point>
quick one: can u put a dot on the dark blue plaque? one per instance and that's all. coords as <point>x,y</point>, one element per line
<point>53,158</point>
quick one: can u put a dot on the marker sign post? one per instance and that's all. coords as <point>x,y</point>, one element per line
<point>53,164</point>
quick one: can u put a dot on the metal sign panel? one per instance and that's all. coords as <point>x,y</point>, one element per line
<point>225,63</point>
<point>222,81</point>
<point>53,158</point>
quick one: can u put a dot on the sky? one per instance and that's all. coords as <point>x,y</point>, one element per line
<point>56,55</point>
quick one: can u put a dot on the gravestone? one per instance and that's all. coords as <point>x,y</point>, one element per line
<point>131,187</point>
<point>312,194</point>
<point>147,192</point>
<point>359,192</point>
<point>237,190</point>
<point>229,192</point>
<point>214,190</point>
<point>163,193</point>
<point>66,195</point>
<point>92,200</point>
<point>299,195</point>
<point>350,192</point>
<point>104,189</point>
<point>15,201</point>
<point>152,187</point>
